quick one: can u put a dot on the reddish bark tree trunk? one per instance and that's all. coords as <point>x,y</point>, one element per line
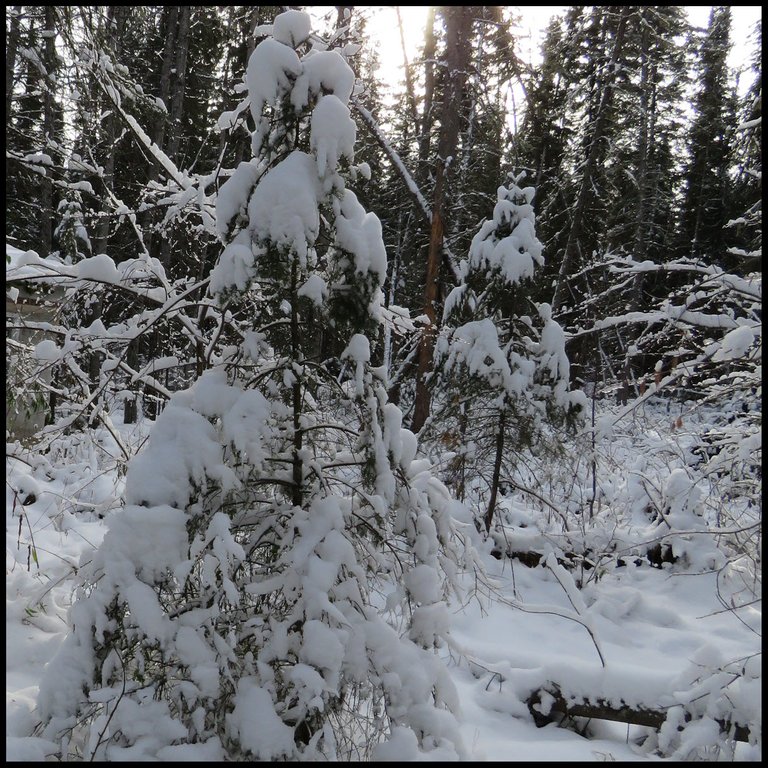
<point>458,22</point>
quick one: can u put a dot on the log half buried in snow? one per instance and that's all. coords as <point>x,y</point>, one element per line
<point>549,701</point>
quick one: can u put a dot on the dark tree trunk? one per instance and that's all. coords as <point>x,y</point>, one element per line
<point>646,137</point>
<point>425,129</point>
<point>170,17</point>
<point>116,18</point>
<point>177,98</point>
<point>496,472</point>
<point>169,25</point>
<point>130,404</point>
<point>250,46</point>
<point>177,108</point>
<point>49,128</point>
<point>410,91</point>
<point>11,49</point>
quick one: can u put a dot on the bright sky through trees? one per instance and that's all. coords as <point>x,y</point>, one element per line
<point>530,30</point>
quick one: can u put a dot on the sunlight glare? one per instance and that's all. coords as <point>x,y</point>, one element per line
<point>383,28</point>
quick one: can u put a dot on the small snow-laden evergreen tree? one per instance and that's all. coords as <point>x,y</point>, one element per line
<point>504,371</point>
<point>70,233</point>
<point>275,586</point>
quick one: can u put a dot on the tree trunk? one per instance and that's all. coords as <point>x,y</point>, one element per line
<point>119,15</point>
<point>640,244</point>
<point>130,404</point>
<point>250,46</point>
<point>429,92</point>
<point>11,48</point>
<point>170,16</point>
<point>601,709</point>
<point>49,127</point>
<point>496,472</point>
<point>409,89</point>
<point>177,108</point>
<point>168,23</point>
<point>458,28</point>
<point>177,98</point>
<point>116,18</point>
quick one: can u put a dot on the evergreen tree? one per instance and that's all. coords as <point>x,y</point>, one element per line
<point>745,231</point>
<point>643,176</point>
<point>604,36</point>
<point>483,139</point>
<point>467,64</point>
<point>568,137</point>
<point>33,124</point>
<point>642,179</point>
<point>544,136</point>
<point>505,374</point>
<point>602,133</point>
<point>233,601</point>
<point>707,204</point>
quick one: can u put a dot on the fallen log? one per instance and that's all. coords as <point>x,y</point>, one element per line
<point>545,702</point>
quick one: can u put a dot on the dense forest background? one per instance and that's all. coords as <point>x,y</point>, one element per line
<point>632,134</point>
<point>511,282</point>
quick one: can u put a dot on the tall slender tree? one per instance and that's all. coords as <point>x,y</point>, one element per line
<point>595,147</point>
<point>503,371</point>
<point>457,26</point>
<point>707,206</point>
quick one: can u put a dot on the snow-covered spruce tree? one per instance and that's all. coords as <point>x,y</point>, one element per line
<point>274,586</point>
<point>503,371</point>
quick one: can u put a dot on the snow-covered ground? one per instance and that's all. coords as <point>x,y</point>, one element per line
<point>654,629</point>
<point>662,633</point>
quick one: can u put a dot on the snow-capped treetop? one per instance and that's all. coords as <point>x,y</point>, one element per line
<point>488,332</point>
<point>280,202</point>
<point>271,69</point>
<point>292,27</point>
<point>500,346</point>
<point>507,243</point>
<point>322,72</point>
